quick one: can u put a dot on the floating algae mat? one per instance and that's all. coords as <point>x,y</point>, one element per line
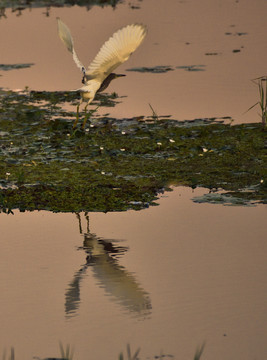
<point>7,67</point>
<point>20,5</point>
<point>116,165</point>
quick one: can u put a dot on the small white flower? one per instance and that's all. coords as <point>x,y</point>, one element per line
<point>123,132</point>
<point>122,149</point>
<point>92,125</point>
<point>8,173</point>
<point>87,130</point>
<point>11,143</point>
<point>68,135</point>
<point>261,181</point>
<point>101,148</point>
<point>103,173</point>
<point>159,143</point>
<point>172,141</point>
<point>204,149</point>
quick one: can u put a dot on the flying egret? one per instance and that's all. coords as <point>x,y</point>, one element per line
<point>113,52</point>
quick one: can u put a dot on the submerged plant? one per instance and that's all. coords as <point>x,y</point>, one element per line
<point>11,356</point>
<point>199,352</point>
<point>66,353</point>
<point>261,82</point>
<point>129,354</point>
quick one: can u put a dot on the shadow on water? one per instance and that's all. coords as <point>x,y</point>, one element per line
<point>119,284</point>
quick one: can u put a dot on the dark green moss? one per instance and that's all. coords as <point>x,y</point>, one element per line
<point>118,164</point>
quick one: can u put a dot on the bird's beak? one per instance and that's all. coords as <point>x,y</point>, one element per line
<point>120,75</point>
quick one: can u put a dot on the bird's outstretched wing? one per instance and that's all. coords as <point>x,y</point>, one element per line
<point>65,36</point>
<point>116,51</point>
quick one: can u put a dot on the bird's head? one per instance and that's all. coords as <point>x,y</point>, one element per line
<point>115,76</point>
<point>107,81</point>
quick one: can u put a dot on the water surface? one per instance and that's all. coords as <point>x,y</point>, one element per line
<point>178,274</point>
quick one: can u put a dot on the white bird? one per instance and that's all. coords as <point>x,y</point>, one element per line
<point>113,52</point>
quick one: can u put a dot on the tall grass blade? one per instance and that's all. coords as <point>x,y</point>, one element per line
<point>154,114</point>
<point>135,357</point>
<point>129,354</point>
<point>199,352</point>
<point>66,353</point>
<point>263,98</point>
<point>12,354</point>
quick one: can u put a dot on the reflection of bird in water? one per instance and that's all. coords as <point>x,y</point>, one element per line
<point>117,282</point>
<point>113,52</point>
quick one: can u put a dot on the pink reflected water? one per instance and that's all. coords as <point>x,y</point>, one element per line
<point>184,273</point>
<point>226,38</point>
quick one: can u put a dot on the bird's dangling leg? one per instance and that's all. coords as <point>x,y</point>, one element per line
<point>77,115</point>
<point>86,115</point>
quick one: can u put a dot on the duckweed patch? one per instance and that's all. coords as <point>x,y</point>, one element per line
<point>20,5</point>
<point>7,67</point>
<point>192,67</point>
<point>165,68</point>
<point>155,69</point>
<point>115,165</point>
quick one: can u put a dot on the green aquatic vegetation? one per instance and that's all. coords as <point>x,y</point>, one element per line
<point>155,69</point>
<point>115,165</point>
<point>192,67</point>
<point>135,356</point>
<point>27,106</point>
<point>236,33</point>
<point>20,5</point>
<point>68,354</point>
<point>227,198</point>
<point>6,67</point>
<point>165,68</point>
<point>212,53</point>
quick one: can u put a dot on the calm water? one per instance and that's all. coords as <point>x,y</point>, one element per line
<point>167,278</point>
